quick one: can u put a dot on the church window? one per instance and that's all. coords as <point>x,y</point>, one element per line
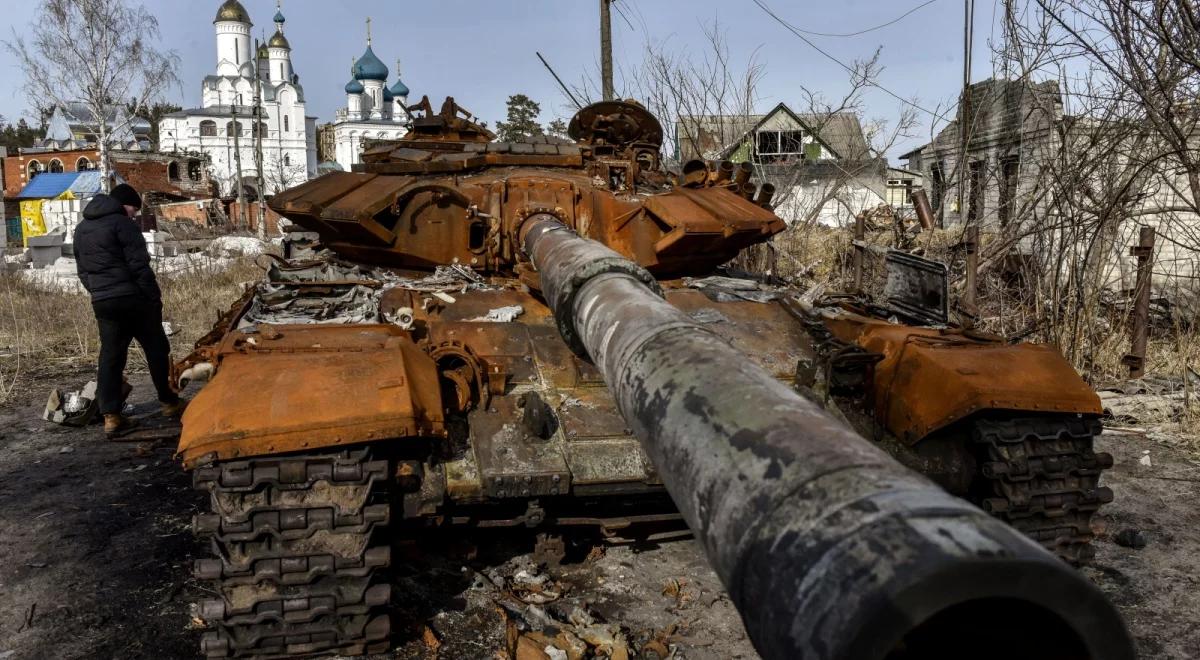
<point>285,124</point>
<point>194,170</point>
<point>208,128</point>
<point>287,160</point>
<point>261,129</point>
<point>281,70</point>
<point>56,166</point>
<point>35,168</point>
<point>173,171</point>
<point>237,50</point>
<point>83,165</point>
<point>232,128</point>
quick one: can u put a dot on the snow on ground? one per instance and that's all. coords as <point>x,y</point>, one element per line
<point>236,246</point>
<point>63,276</point>
<point>60,275</point>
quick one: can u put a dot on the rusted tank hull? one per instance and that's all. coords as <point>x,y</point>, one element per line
<point>828,547</point>
<point>413,375</point>
<point>929,378</point>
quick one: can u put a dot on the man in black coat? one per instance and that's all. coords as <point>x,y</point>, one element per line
<point>114,267</point>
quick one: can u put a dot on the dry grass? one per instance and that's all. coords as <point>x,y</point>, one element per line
<point>43,329</point>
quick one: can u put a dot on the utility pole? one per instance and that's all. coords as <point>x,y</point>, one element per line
<point>258,143</point>
<point>237,159</point>
<point>606,71</point>
<point>964,107</point>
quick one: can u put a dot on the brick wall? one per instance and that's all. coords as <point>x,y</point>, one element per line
<point>193,212</point>
<point>148,172</point>
<point>16,168</point>
<point>235,217</point>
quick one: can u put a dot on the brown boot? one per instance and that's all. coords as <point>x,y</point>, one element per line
<point>117,425</point>
<point>174,409</point>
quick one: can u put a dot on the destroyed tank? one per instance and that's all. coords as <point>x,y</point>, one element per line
<point>444,359</point>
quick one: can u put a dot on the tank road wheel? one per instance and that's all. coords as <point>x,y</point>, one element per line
<point>1041,475</point>
<point>297,565</point>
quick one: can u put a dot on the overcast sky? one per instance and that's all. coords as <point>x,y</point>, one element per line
<point>482,51</point>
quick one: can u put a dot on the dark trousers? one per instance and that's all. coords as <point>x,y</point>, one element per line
<point>122,320</point>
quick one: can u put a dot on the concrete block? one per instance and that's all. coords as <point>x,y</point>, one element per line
<point>45,250</point>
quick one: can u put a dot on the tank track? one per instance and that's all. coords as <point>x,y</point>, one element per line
<point>1041,475</point>
<point>296,567</point>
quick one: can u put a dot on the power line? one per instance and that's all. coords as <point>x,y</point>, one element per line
<point>870,29</point>
<point>621,13</point>
<point>794,30</point>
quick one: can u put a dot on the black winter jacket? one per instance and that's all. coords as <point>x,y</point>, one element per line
<point>111,255</point>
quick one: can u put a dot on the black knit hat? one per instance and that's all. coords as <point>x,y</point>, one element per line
<point>125,194</point>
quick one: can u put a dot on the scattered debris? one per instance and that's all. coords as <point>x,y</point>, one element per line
<point>77,408</point>
<point>731,289</point>
<point>708,315</point>
<point>430,638</point>
<point>1145,459</point>
<point>66,450</point>
<point>501,315</point>
<point>1149,400</point>
<point>1130,538</point>
<point>28,620</point>
<point>168,329</point>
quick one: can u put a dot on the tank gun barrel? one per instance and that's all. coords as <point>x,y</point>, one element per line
<point>828,547</point>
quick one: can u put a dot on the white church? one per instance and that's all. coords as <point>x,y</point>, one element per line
<point>373,110</point>
<point>222,128</point>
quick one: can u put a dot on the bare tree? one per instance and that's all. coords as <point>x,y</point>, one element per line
<point>280,173</point>
<point>709,104</point>
<point>98,52</point>
<point>1090,130</point>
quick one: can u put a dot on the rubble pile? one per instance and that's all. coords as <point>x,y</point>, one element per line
<point>1150,401</point>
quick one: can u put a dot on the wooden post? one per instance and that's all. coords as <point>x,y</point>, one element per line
<point>967,304</point>
<point>606,70</point>
<point>237,158</point>
<point>1140,322</point>
<point>860,236</point>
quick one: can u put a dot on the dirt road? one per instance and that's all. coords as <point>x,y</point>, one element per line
<point>96,551</point>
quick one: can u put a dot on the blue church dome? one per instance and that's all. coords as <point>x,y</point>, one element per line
<point>279,17</point>
<point>370,67</point>
<point>354,87</point>
<point>387,94</point>
<point>399,89</point>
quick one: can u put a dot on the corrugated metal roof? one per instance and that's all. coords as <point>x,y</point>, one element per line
<point>86,184</point>
<point>48,185</point>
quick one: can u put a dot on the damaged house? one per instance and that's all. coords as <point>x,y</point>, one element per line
<point>821,165</point>
<point>1059,187</point>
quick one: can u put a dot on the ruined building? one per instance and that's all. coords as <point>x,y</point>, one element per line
<point>1032,169</point>
<point>1011,129</point>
